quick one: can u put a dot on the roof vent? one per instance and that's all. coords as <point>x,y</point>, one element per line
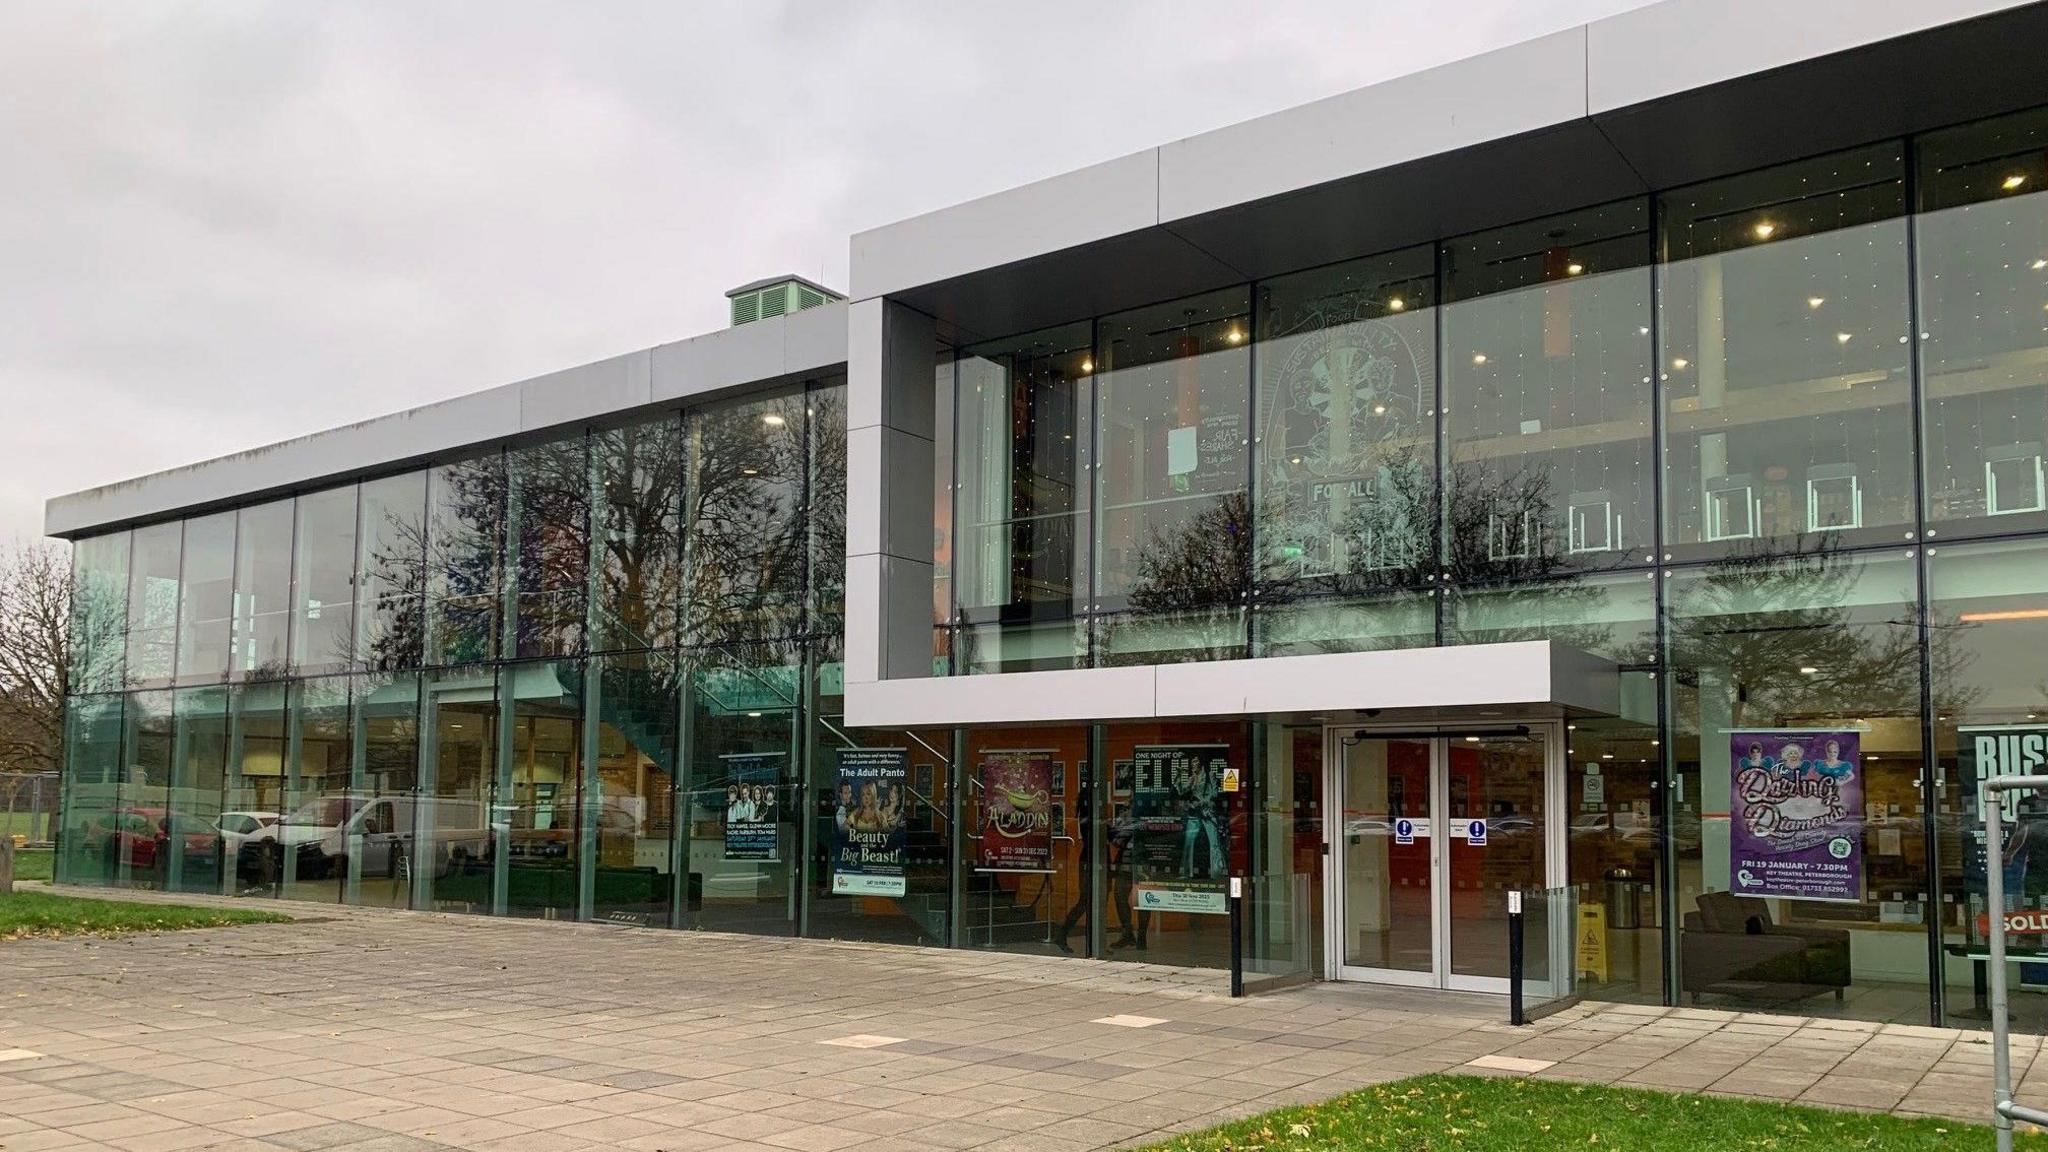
<point>774,297</point>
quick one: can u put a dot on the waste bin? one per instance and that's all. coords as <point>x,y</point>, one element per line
<point>1623,911</point>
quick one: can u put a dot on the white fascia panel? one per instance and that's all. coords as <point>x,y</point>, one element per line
<point>1079,207</point>
<point>1516,673</point>
<point>1664,49</point>
<point>1521,88</point>
<point>1011,698</point>
<point>574,395</point>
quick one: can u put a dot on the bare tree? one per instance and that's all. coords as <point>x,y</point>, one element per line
<point>35,599</point>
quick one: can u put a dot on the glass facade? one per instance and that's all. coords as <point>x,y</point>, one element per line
<point>1773,444</point>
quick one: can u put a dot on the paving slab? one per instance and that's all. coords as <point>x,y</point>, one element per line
<point>382,1031</point>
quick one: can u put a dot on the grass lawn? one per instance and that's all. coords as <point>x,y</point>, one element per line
<point>32,865</point>
<point>1484,1114</point>
<point>26,914</point>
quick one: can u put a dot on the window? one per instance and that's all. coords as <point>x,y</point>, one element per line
<point>263,592</point>
<point>637,510</point>
<point>465,547</point>
<point>153,605</point>
<point>323,573</point>
<point>206,584</point>
<point>548,531</point>
<point>99,612</point>
<point>744,521</point>
<point>1982,249</point>
<point>391,555</point>
<point>1786,365</point>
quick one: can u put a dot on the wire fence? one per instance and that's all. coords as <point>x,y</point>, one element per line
<point>28,806</point>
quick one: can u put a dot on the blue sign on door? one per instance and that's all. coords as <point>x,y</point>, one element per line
<point>1475,833</point>
<point>1404,831</point>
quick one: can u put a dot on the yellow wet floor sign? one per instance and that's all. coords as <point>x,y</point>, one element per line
<point>1593,941</point>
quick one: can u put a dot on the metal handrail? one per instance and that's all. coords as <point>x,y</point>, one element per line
<point>2004,1109</point>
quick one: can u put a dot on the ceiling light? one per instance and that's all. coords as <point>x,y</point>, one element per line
<point>1379,409</point>
<point>1574,269</point>
<point>772,420</point>
<point>1841,337</point>
<point>2014,181</point>
<point>1680,362</point>
<point>1294,460</point>
<point>755,715</point>
<point>1234,336</point>
<point>1479,357</point>
<point>1643,331</point>
<point>2040,264</point>
<point>1396,304</point>
<point>1763,229</point>
<point>750,471</point>
<point>1815,301</point>
<point>1808,670</point>
<point>1087,365</point>
<point>1471,739</point>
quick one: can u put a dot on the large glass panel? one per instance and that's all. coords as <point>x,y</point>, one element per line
<point>1614,807</point>
<point>743,521</point>
<point>378,837</point>
<point>825,406</point>
<point>137,844</point>
<point>1177,837</point>
<point>882,827</point>
<point>1613,615</point>
<point>190,848</point>
<point>1284,915</point>
<point>1498,779</point>
<point>1020,549</point>
<point>743,836</point>
<point>635,790</point>
<point>1988,626</point>
<point>1796,764</point>
<point>92,790</point>
<point>391,573</point>
<point>465,550</point>
<point>542,793</point>
<point>322,810</point>
<point>1547,397</point>
<point>1982,248</point>
<point>255,838</point>
<point>456,831</point>
<point>323,578</point>
<point>548,529</point>
<point>99,612</point>
<point>1786,366</point>
<point>1026,843</point>
<point>1389,884</point>
<point>152,641</point>
<point>1346,458</point>
<point>1172,504</point>
<point>206,597</point>
<point>263,592</point>
<point>637,511</point>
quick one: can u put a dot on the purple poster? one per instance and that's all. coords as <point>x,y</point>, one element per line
<point>1796,815</point>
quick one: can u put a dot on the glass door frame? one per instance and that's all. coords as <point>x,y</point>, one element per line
<point>1439,736</point>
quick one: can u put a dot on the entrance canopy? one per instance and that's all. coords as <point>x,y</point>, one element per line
<point>1520,675</point>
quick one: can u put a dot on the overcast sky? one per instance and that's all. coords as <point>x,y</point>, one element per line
<point>225,224</point>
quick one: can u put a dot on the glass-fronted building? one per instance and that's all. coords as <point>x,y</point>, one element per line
<point>1641,493</point>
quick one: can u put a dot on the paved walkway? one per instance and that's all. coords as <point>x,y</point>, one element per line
<point>373,1031</point>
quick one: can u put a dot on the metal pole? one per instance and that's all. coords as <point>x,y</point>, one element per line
<point>1994,882</point>
<point>1236,937</point>
<point>1516,1015</point>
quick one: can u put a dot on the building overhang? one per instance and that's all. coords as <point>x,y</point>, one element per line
<point>1650,99</point>
<point>1530,675</point>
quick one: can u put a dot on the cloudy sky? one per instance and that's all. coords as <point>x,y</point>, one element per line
<point>224,224</point>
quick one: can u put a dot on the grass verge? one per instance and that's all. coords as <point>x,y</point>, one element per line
<point>26,914</point>
<point>1485,1114</point>
<point>32,864</point>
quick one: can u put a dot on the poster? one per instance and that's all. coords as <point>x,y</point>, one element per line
<point>1796,814</point>
<point>1180,827</point>
<point>1985,752</point>
<point>750,800</point>
<point>1016,812</point>
<point>867,822</point>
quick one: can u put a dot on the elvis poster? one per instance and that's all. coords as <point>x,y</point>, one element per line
<point>1180,827</point>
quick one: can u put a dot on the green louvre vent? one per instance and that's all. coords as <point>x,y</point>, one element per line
<point>783,294</point>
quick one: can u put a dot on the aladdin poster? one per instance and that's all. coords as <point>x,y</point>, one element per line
<point>750,799</point>
<point>1016,812</point>
<point>867,822</point>
<point>1796,814</point>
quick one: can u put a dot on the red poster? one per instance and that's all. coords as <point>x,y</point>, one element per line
<point>1016,812</point>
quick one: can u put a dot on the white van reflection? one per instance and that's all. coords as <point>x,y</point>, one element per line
<point>323,834</point>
